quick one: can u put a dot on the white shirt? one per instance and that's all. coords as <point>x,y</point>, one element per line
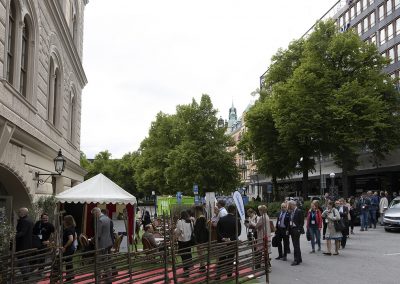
<point>222,212</point>
<point>183,230</point>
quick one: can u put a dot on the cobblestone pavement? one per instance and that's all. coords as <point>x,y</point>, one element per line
<point>369,257</point>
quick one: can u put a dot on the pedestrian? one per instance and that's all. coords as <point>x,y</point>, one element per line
<point>331,214</point>
<point>252,218</point>
<point>23,240</point>
<point>325,222</point>
<point>373,208</point>
<point>343,209</point>
<point>183,232</point>
<point>69,245</point>
<point>282,232</point>
<point>228,229</point>
<point>201,233</point>
<point>314,225</point>
<point>352,213</point>
<point>383,205</point>
<point>103,239</point>
<point>296,229</point>
<point>42,231</point>
<point>146,218</point>
<point>263,227</point>
<point>363,206</point>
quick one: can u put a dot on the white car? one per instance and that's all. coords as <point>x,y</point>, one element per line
<point>391,218</point>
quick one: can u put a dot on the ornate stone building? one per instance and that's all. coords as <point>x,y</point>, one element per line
<point>42,78</point>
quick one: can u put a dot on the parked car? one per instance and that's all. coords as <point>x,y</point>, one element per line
<point>391,218</point>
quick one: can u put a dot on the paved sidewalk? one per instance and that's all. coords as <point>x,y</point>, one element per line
<point>369,257</point>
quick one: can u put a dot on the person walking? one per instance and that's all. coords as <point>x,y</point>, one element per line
<point>332,214</point>
<point>363,206</point>
<point>23,239</point>
<point>201,233</point>
<point>252,218</point>
<point>296,229</point>
<point>314,225</point>
<point>263,227</point>
<point>325,222</point>
<point>383,205</point>
<point>282,232</point>
<point>343,209</point>
<point>69,248</point>
<point>228,229</point>
<point>373,208</point>
<point>352,214</point>
<point>183,232</point>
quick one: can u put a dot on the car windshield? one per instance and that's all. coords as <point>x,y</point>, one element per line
<point>395,204</point>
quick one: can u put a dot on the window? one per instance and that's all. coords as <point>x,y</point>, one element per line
<point>365,24</point>
<point>54,97</point>
<point>364,4</point>
<point>359,28</point>
<point>358,5</point>
<point>11,43</point>
<point>24,59</point>
<point>373,39</point>
<point>398,51</point>
<point>381,12</point>
<point>390,31</point>
<point>372,19</point>
<point>382,36</point>
<point>391,55</point>
<point>396,4</point>
<point>389,7</point>
<point>72,109</point>
<point>397,26</point>
<point>352,12</point>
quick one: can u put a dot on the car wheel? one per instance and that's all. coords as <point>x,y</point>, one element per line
<point>387,230</point>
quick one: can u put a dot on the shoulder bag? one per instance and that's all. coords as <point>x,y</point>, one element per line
<point>339,226</point>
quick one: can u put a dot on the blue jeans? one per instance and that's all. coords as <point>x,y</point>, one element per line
<point>315,237</point>
<point>372,215</point>
<point>364,219</point>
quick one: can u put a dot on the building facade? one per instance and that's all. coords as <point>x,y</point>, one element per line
<point>41,74</point>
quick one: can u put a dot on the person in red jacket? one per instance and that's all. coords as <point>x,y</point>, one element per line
<point>314,225</point>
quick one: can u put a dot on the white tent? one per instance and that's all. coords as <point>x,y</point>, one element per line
<point>98,189</point>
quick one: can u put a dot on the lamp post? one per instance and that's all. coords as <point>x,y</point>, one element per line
<point>154,197</point>
<point>59,166</point>
<point>332,176</point>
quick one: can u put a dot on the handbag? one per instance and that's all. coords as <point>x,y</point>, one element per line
<point>308,235</point>
<point>339,226</point>
<point>275,241</point>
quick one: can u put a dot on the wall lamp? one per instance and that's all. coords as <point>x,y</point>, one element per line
<point>59,166</point>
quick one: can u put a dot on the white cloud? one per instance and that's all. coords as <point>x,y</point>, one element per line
<point>142,57</point>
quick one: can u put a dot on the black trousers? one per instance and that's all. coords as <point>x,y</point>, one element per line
<point>225,262</point>
<point>282,236</point>
<point>295,234</point>
<point>185,251</point>
<point>325,225</point>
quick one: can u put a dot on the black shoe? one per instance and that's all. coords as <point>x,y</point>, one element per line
<point>327,253</point>
<point>374,226</point>
<point>279,257</point>
<point>295,263</point>
<point>284,258</point>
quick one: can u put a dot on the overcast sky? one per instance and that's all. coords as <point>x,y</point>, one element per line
<point>143,57</point>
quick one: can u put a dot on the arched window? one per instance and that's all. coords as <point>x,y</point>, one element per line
<point>24,59</point>
<point>11,42</point>
<point>72,115</point>
<point>54,98</point>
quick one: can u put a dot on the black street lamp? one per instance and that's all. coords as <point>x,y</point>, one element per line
<point>59,166</point>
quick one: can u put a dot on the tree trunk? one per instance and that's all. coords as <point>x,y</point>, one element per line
<point>304,187</point>
<point>274,187</point>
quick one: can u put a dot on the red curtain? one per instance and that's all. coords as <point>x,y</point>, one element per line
<point>111,209</point>
<point>131,219</point>
<point>89,219</point>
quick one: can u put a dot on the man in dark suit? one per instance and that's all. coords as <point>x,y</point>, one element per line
<point>23,239</point>
<point>282,232</point>
<point>296,229</point>
<point>228,229</point>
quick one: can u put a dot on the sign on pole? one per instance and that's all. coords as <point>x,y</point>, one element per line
<point>195,189</point>
<point>237,197</point>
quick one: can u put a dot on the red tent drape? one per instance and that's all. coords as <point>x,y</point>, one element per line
<point>89,219</point>
<point>131,219</point>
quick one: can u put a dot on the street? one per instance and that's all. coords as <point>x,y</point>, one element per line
<point>369,257</point>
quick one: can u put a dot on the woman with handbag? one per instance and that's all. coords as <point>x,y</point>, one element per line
<point>201,233</point>
<point>314,225</point>
<point>184,232</point>
<point>343,209</point>
<point>332,216</point>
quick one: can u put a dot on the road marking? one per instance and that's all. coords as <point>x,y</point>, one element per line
<point>397,253</point>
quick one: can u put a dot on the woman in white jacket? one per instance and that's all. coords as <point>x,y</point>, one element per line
<point>383,203</point>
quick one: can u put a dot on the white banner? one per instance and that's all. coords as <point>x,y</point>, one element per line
<point>237,197</point>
